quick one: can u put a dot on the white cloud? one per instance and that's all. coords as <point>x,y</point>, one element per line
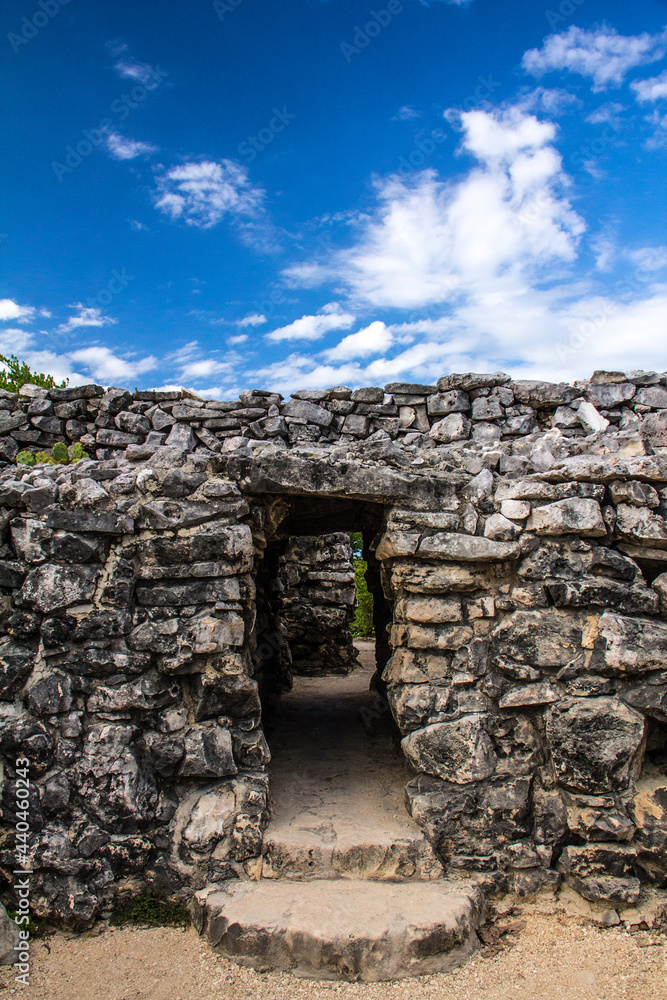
<point>609,114</point>
<point>659,137</point>
<point>601,54</point>
<point>108,367</point>
<point>253,319</point>
<point>405,112</point>
<point>204,368</point>
<point>10,310</point>
<point>550,100</point>
<point>653,89</point>
<point>373,339</point>
<point>240,338</point>
<point>122,148</point>
<point>85,316</point>
<point>330,317</point>
<point>430,241</point>
<point>202,193</point>
<point>13,340</point>
<point>649,258</point>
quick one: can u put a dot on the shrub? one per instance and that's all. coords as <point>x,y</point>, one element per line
<point>362,626</point>
<point>149,908</point>
<point>15,373</point>
<point>25,457</point>
<point>60,453</point>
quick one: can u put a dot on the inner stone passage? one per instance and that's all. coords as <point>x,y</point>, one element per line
<point>337,784</point>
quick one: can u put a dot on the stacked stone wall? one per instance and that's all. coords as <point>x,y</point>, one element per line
<point>143,633</point>
<point>317,603</point>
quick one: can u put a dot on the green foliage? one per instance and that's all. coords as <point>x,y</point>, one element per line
<point>77,452</point>
<point>43,458</point>
<point>149,908</point>
<point>60,453</point>
<point>34,929</point>
<point>25,457</point>
<point>362,625</point>
<point>357,543</point>
<point>17,373</point>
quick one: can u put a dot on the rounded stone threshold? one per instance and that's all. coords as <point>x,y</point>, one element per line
<point>342,929</point>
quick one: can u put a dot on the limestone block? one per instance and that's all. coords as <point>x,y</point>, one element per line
<point>9,938</point>
<point>543,693</point>
<point>441,404</point>
<point>516,510</point>
<point>546,638</point>
<point>591,419</point>
<point>500,529</point>
<point>635,493</point>
<point>454,427</point>
<point>626,645</point>
<point>466,548</point>
<point>459,751</point>
<point>573,515</point>
<point>50,586</point>
<point>638,524</point>
<point>207,753</point>
<point>596,743</point>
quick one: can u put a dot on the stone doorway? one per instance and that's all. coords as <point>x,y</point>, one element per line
<point>337,776</point>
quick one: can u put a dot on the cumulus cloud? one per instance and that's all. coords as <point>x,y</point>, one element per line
<point>204,368</point>
<point>373,339</point>
<point>239,338</point>
<point>253,319</point>
<point>107,367</point>
<point>330,317</point>
<point>430,241</point>
<point>649,258</point>
<point>653,89</point>
<point>203,193</point>
<point>10,310</point>
<point>85,316</point>
<point>122,148</point>
<point>599,53</point>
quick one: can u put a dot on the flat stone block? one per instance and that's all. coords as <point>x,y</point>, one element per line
<point>340,929</point>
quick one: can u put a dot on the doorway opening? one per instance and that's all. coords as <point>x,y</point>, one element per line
<point>337,775</point>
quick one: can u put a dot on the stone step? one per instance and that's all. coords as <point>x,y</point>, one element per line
<point>382,857</point>
<point>342,929</point>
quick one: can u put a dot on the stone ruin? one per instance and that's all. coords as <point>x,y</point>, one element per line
<point>158,595</point>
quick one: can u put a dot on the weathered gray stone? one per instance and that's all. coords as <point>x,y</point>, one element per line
<point>9,938</point>
<point>342,929</point>
<point>459,751</point>
<point>207,753</point>
<point>595,743</point>
<point>574,515</point>
<point>466,548</point>
<point>454,427</point>
<point>625,645</point>
<point>50,587</point>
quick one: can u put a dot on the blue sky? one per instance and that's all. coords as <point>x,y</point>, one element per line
<point>251,193</point>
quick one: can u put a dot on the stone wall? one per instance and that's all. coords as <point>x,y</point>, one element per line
<point>317,603</point>
<point>524,564</point>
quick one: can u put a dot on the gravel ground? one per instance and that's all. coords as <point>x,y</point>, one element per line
<point>554,957</point>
